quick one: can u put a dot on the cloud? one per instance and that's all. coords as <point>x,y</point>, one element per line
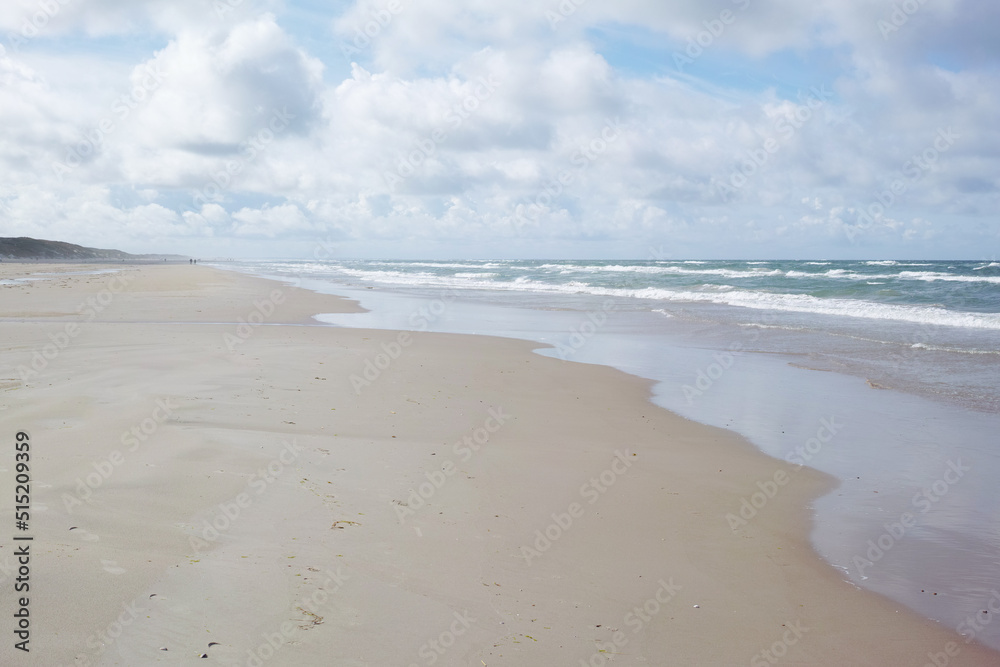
<point>26,20</point>
<point>220,89</point>
<point>473,124</point>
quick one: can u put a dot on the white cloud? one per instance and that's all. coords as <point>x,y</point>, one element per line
<point>476,109</point>
<point>270,222</point>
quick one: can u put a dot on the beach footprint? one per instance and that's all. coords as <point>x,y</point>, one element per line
<point>111,567</point>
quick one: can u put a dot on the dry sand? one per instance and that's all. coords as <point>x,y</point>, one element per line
<point>160,417</point>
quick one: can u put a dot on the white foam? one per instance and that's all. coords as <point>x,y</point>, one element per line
<point>802,303</point>
<point>725,295</point>
<point>830,273</point>
<point>391,277</point>
<point>663,270</point>
<point>798,303</point>
<point>931,276</point>
<point>401,270</point>
<point>926,276</point>
<point>444,265</point>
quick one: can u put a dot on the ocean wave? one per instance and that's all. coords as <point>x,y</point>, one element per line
<point>663,270</point>
<point>437,265</point>
<point>392,277</point>
<point>587,279</point>
<point>931,276</point>
<point>926,276</point>
<point>798,303</point>
<point>830,273</point>
<point>400,269</point>
<point>802,303</point>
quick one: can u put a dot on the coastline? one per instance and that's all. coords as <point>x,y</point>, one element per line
<point>889,450</point>
<point>398,584</point>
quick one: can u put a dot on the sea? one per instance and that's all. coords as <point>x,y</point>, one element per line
<point>884,374</point>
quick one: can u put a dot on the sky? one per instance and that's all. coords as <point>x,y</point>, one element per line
<point>644,129</point>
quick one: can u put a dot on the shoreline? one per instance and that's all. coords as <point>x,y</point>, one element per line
<point>654,535</point>
<point>889,447</point>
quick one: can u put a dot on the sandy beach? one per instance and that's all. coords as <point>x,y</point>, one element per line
<point>218,479</point>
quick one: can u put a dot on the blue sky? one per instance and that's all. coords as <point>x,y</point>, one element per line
<point>471,128</point>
